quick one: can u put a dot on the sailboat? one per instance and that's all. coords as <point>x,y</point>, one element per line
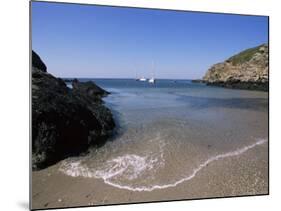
<point>152,79</point>
<point>141,78</point>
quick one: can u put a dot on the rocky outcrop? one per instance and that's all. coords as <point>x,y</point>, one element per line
<point>88,89</point>
<point>65,122</point>
<point>38,63</point>
<point>246,70</point>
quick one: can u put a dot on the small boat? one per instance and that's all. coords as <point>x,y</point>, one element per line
<point>142,79</point>
<point>151,80</point>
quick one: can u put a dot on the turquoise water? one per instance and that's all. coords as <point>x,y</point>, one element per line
<point>169,131</point>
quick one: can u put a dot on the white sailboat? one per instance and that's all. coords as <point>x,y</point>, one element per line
<point>152,79</point>
<point>141,78</point>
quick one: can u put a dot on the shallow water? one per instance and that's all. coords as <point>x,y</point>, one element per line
<point>171,130</point>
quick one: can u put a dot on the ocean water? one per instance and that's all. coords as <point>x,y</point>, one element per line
<point>169,131</point>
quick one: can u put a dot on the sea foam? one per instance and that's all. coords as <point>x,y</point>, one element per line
<point>131,167</point>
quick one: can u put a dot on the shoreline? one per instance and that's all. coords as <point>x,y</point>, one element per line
<point>255,86</point>
<point>252,86</point>
<point>229,176</point>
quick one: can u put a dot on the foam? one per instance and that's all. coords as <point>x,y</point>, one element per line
<point>131,166</point>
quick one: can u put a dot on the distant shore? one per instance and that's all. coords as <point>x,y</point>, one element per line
<point>248,69</point>
<point>258,86</point>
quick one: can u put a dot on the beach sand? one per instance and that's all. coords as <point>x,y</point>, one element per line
<point>244,174</point>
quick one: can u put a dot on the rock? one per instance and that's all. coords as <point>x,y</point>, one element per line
<point>65,122</point>
<point>37,62</point>
<point>88,89</point>
<point>246,70</point>
<point>91,95</point>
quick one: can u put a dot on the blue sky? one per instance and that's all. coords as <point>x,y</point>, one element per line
<point>112,42</point>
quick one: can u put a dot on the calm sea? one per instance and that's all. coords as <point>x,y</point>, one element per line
<point>170,130</point>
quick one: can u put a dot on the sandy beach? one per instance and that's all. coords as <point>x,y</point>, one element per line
<point>245,174</point>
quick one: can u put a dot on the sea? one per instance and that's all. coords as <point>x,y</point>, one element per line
<point>167,132</point>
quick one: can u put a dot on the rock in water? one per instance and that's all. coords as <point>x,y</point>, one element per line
<point>65,122</point>
<point>246,70</point>
<point>91,95</point>
<point>88,89</point>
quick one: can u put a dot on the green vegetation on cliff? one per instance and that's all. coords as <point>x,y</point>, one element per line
<point>245,55</point>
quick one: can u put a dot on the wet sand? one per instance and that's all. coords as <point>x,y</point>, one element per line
<point>245,174</point>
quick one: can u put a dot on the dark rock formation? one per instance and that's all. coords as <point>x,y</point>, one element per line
<point>91,95</point>
<point>246,70</point>
<point>65,122</point>
<point>89,89</point>
<point>37,62</point>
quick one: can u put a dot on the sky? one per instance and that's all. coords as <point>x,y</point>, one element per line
<point>87,41</point>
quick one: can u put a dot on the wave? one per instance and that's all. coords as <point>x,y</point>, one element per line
<point>131,167</point>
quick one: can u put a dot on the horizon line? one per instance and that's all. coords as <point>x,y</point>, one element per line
<point>129,78</point>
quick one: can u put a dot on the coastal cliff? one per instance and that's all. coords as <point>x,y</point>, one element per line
<point>65,122</point>
<point>245,70</point>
